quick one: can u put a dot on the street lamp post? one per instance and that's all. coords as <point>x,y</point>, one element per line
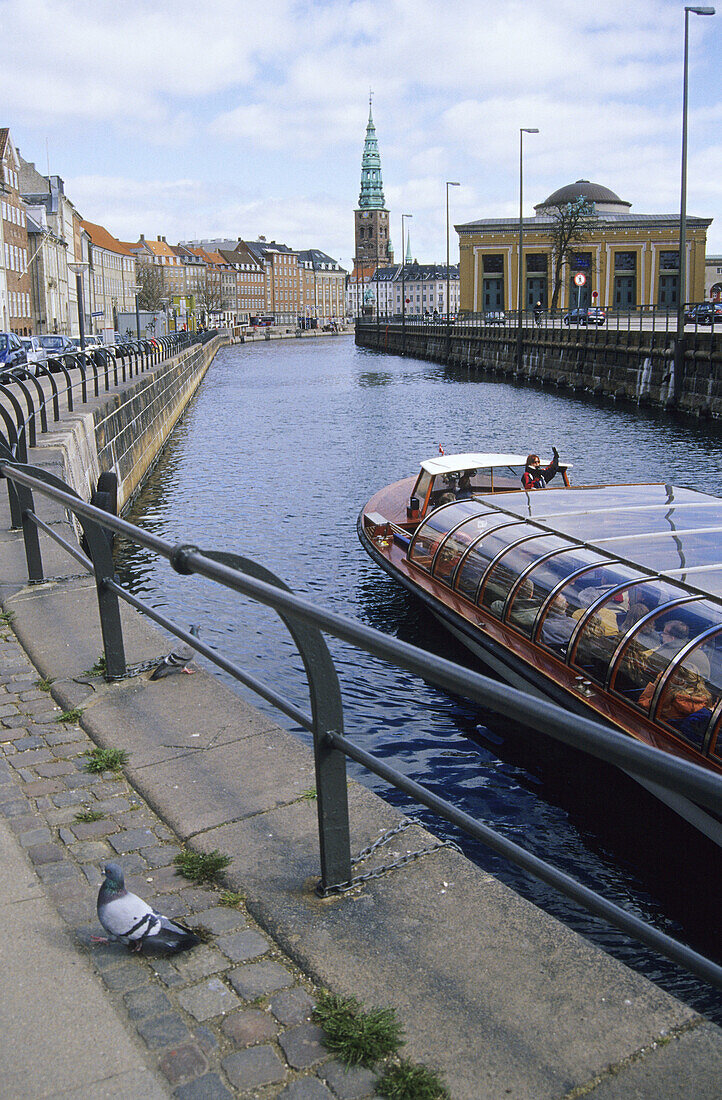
<point>520,262</point>
<point>449,183</point>
<point>79,267</point>
<point>135,289</point>
<point>403,284</point>
<point>679,346</point>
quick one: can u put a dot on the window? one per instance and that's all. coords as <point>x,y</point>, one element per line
<point>625,261</point>
<point>493,264</point>
<point>537,262</point>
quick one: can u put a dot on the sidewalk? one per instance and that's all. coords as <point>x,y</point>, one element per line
<point>89,1021</point>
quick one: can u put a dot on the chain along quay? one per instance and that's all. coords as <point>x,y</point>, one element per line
<point>492,990</point>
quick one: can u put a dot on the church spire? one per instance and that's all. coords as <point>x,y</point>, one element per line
<point>372,188</point>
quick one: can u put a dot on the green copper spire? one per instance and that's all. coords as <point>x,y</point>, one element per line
<point>372,188</point>
<point>407,257</point>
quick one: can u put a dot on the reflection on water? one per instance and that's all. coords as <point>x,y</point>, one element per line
<point>274,458</point>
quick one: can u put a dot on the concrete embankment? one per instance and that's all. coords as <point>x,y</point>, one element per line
<point>497,994</point>
<point>629,366</point>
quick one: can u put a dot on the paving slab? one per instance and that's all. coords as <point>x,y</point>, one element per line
<point>79,1046</point>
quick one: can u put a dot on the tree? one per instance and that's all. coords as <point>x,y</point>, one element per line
<point>573,225</point>
<point>209,298</point>
<point>152,287</point>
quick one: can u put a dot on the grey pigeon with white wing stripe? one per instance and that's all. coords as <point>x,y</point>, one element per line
<point>177,660</point>
<point>130,920</point>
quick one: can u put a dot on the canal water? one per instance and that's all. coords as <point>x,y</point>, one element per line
<point>282,445</point>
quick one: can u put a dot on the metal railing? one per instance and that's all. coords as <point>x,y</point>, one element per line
<point>25,403</point>
<point>305,622</point>
<point>593,323</point>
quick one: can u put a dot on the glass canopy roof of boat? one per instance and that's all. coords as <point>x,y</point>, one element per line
<point>661,528</point>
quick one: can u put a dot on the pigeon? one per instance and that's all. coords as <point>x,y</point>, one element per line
<point>177,660</point>
<point>129,919</point>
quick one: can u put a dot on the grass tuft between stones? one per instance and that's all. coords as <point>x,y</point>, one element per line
<point>44,685</point>
<point>98,668</point>
<point>354,1035</point>
<point>70,716</point>
<point>230,899</point>
<point>201,866</point>
<point>404,1080</point>
<point>86,816</point>
<point>105,760</point>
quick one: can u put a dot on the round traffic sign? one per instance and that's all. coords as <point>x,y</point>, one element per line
<point>580,278</point>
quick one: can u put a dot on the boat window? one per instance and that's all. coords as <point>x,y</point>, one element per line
<point>675,550</point>
<point>506,572</point>
<point>611,621</point>
<point>547,575</point>
<point>556,501</point>
<point>421,487</point>
<point>570,604</point>
<point>590,526</point>
<point>692,693</point>
<point>437,525</point>
<point>476,562</point>
<point>458,541</point>
<point>653,645</point>
<point>715,749</point>
<point>708,580</point>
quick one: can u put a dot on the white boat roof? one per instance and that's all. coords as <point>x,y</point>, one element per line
<point>449,464</point>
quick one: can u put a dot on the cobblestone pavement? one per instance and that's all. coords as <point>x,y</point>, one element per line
<point>231,1018</point>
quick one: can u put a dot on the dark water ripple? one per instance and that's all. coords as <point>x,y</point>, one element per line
<point>273,460</point>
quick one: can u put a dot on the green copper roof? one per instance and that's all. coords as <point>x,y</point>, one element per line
<point>372,188</point>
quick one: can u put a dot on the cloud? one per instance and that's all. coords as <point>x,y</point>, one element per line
<point>267,101</point>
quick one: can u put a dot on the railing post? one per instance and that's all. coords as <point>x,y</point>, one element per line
<point>327,711</point>
<point>31,537</point>
<point>16,517</point>
<point>110,624</point>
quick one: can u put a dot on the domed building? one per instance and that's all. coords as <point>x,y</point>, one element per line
<point>627,260</point>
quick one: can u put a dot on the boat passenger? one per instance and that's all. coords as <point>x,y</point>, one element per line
<point>523,609</point>
<point>464,490</point>
<point>445,498</point>
<point>607,618</point>
<point>558,627</point>
<point>534,477</point>
<point>686,704</point>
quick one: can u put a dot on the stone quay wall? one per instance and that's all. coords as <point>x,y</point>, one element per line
<point>628,366</point>
<point>124,431</point>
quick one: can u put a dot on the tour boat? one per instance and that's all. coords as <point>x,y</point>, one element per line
<point>606,599</point>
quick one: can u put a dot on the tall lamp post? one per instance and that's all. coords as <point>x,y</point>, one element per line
<point>135,290</point>
<point>79,267</point>
<point>520,262</point>
<point>682,258</point>
<point>449,183</point>
<point>403,283</point>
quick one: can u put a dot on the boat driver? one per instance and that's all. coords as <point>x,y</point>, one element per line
<point>537,477</point>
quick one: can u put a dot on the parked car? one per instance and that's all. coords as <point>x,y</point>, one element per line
<point>706,313</point>
<point>34,350</point>
<point>494,317</point>
<point>591,316</point>
<point>91,342</point>
<point>56,344</point>
<point>12,352</point>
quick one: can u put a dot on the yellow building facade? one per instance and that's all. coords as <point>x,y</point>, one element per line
<point>628,260</point>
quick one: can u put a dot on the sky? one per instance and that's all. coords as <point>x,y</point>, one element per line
<point>235,118</point>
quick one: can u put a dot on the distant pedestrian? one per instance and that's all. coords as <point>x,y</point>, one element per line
<point>538,313</point>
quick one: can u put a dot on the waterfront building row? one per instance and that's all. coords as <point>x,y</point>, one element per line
<point>422,288</point>
<point>47,250</point>
<point>627,260</point>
